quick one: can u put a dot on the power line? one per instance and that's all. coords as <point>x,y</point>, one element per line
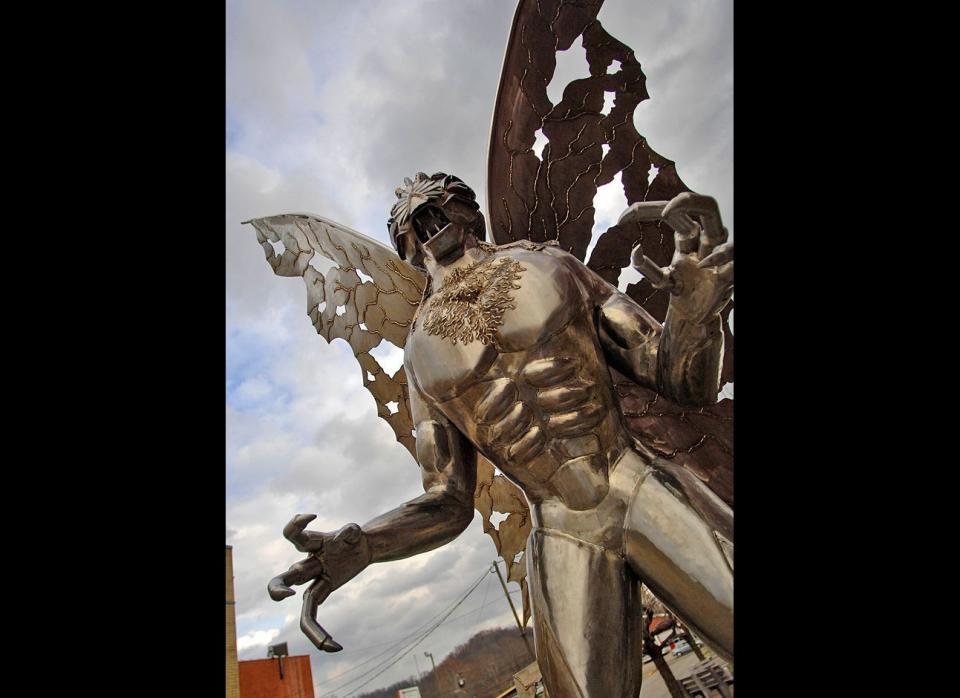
<point>394,643</point>
<point>424,636</point>
<point>397,643</point>
<point>480,608</point>
<point>390,661</point>
<point>482,602</point>
<point>399,652</point>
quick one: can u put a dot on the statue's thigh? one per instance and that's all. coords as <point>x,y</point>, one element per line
<point>587,618</point>
<point>676,553</point>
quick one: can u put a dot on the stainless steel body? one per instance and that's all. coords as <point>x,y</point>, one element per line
<point>508,357</point>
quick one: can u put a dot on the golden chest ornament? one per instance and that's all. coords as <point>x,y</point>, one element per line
<point>472,301</point>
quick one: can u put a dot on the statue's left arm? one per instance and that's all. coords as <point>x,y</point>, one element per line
<point>682,358</point>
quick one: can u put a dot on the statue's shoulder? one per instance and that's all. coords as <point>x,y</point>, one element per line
<point>527,248</point>
<point>554,258</point>
<point>527,245</point>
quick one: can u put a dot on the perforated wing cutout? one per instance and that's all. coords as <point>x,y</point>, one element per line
<point>369,296</point>
<point>551,197</point>
<point>365,310</point>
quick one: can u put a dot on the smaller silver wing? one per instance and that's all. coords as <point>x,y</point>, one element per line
<point>370,295</point>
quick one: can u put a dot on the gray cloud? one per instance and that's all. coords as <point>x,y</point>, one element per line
<point>329,106</point>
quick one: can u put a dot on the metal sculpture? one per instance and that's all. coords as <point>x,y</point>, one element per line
<point>616,462</point>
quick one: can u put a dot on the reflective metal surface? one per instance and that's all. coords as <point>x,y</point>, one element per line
<point>519,355</point>
<point>522,378</point>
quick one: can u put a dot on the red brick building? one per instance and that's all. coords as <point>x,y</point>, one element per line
<point>260,678</point>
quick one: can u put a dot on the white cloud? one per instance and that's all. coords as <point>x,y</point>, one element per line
<point>260,638</point>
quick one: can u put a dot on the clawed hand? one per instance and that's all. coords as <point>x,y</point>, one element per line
<point>700,276</point>
<point>335,559</point>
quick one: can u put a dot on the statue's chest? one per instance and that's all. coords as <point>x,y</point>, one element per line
<point>506,305</point>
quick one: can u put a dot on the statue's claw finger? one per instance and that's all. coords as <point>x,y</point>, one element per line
<point>312,598</point>
<point>642,211</point>
<point>278,590</point>
<point>299,573</point>
<point>686,231</point>
<point>296,525</point>
<point>658,277</point>
<point>705,207</point>
<point>329,644</point>
<point>294,532</point>
<point>726,273</point>
<point>721,255</point>
<point>696,204</point>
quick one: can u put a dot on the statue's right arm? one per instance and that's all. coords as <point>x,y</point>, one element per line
<point>448,464</point>
<point>449,467</point>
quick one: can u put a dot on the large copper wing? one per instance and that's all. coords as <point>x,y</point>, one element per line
<point>369,296</point>
<point>551,197</point>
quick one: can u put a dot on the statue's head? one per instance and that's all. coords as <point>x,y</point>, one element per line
<point>436,217</point>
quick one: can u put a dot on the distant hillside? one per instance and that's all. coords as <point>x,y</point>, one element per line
<point>487,662</point>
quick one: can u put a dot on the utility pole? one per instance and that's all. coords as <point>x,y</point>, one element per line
<point>510,601</point>
<point>436,686</point>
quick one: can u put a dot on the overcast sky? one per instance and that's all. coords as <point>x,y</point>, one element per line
<point>329,105</point>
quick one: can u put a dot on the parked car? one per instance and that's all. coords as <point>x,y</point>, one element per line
<point>682,648</point>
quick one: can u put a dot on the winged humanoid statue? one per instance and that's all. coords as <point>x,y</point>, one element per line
<point>599,408</point>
